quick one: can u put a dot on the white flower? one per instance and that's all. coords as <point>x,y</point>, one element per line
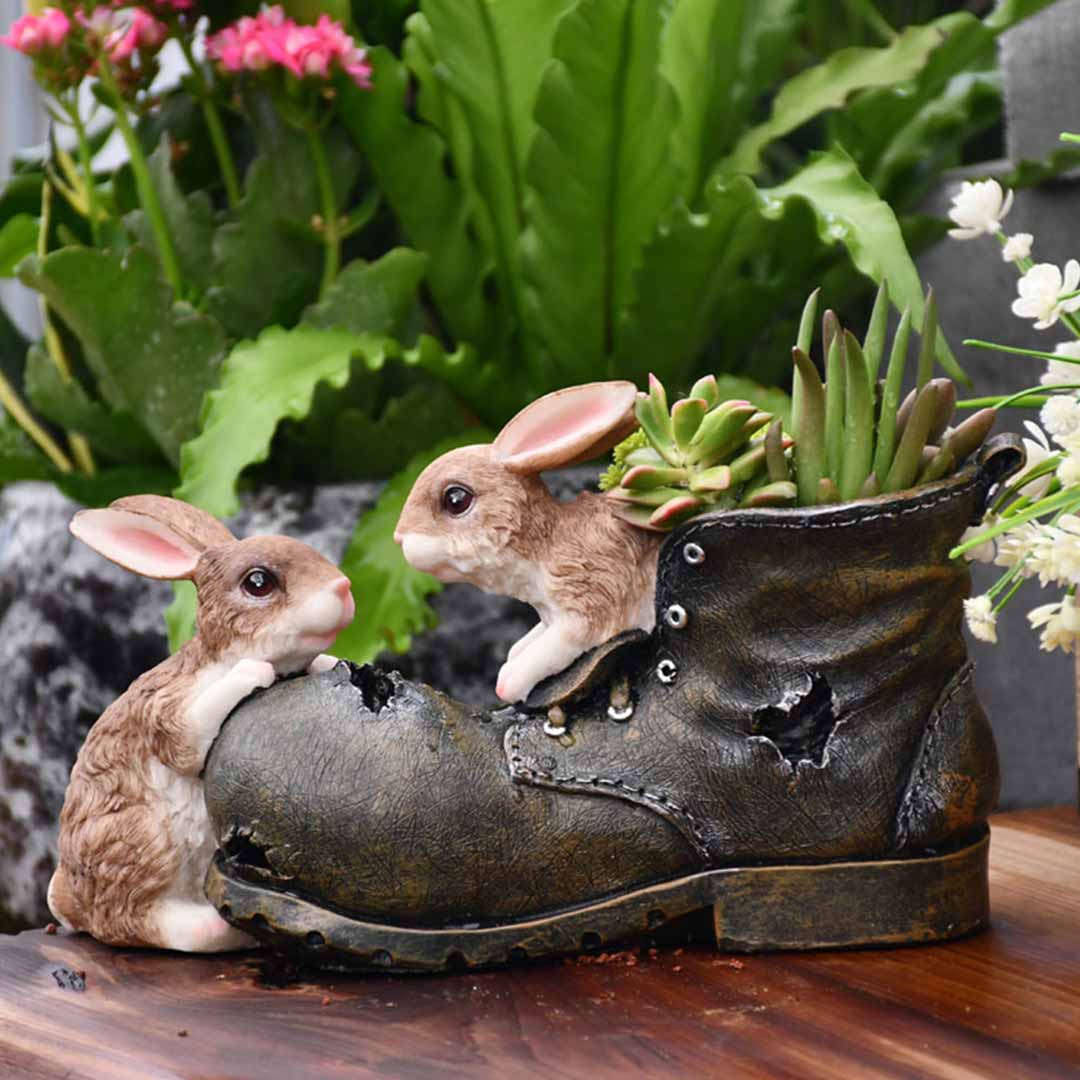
<point>1055,555</point>
<point>979,209</point>
<point>1015,548</point>
<point>981,620</point>
<point>1017,247</point>
<point>985,551</point>
<point>1068,472</point>
<point>1060,622</point>
<point>1060,371</point>
<point>1041,289</point>
<point>1038,450</point>
<point>1061,415</point>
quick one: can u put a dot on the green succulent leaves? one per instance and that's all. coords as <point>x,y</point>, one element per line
<point>699,454</point>
<point>854,438</point>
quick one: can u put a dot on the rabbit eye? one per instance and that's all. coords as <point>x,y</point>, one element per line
<point>259,583</point>
<point>456,499</point>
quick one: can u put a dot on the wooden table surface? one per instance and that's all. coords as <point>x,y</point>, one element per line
<point>1004,1004</point>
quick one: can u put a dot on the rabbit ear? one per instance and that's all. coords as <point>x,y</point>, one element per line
<point>151,535</point>
<point>567,426</point>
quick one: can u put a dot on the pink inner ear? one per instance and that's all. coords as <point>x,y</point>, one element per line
<point>152,549</point>
<point>559,426</point>
<point>136,542</point>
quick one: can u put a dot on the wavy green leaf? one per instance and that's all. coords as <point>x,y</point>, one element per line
<point>18,238</point>
<point>1010,12</point>
<point>264,381</point>
<point>481,383</point>
<point>114,432</point>
<point>107,485</point>
<point>372,297</point>
<point>829,85</point>
<point>869,124</point>
<point>849,211</point>
<point>391,597</point>
<point>932,140</point>
<point>408,159</point>
<point>491,56</point>
<point>688,267</point>
<point>190,219</point>
<point>600,175</point>
<point>150,356</point>
<point>268,259</point>
<point>718,55</point>
<point>20,459</point>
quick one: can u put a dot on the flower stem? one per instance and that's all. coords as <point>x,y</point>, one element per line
<point>977,343</point>
<point>214,126</point>
<point>78,444</point>
<point>21,415</point>
<point>85,159</point>
<point>331,227</point>
<point>148,195</point>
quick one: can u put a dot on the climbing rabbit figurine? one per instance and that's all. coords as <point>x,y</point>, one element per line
<point>135,840</point>
<point>482,514</point>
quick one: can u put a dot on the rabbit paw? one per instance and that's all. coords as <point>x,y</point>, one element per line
<point>251,675</point>
<point>193,927</point>
<point>322,662</point>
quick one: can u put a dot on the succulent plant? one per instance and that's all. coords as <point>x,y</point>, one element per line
<point>854,438</point>
<point>700,454</point>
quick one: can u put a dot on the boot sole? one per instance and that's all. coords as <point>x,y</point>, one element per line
<point>839,905</point>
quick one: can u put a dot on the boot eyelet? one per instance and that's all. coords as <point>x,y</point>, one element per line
<point>694,554</point>
<point>666,671</point>
<point>676,617</point>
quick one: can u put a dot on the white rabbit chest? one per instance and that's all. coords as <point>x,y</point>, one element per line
<point>184,807</point>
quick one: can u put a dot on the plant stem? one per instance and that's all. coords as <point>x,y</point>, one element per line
<point>214,126</point>
<point>331,227</point>
<point>21,415</point>
<point>85,159</point>
<point>148,195</point>
<point>977,343</point>
<point>80,448</point>
<point>1031,401</point>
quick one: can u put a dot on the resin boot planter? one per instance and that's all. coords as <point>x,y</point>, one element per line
<point>797,747</point>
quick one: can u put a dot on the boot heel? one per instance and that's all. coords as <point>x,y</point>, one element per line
<point>846,905</point>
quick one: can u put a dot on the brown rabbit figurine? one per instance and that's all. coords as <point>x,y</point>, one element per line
<point>482,514</point>
<point>135,840</point>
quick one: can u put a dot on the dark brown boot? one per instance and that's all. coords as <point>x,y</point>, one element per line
<point>797,747</point>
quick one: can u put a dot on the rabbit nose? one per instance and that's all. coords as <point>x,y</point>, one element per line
<point>398,536</point>
<point>343,588</point>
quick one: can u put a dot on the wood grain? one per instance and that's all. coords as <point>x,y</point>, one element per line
<point>1002,1004</point>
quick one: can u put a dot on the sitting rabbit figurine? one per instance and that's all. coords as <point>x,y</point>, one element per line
<point>482,514</point>
<point>135,840</point>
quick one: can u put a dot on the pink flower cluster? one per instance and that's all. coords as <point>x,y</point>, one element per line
<point>120,34</point>
<point>34,34</point>
<point>270,38</point>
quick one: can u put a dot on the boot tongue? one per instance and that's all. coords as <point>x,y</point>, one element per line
<point>589,672</point>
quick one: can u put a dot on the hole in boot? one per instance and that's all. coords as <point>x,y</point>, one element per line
<point>245,854</point>
<point>375,688</point>
<point>800,726</point>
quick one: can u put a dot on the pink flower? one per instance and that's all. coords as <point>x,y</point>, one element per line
<point>142,32</point>
<point>253,44</point>
<point>33,34</point>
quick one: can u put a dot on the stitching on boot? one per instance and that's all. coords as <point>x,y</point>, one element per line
<point>840,519</point>
<point>682,818</point>
<point>919,776</point>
